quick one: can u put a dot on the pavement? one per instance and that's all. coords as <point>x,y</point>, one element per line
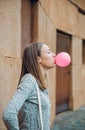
<point>70,120</point>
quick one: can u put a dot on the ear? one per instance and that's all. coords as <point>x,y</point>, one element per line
<point>39,59</point>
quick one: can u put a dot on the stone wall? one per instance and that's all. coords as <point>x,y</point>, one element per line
<point>10,50</point>
<point>78,74</point>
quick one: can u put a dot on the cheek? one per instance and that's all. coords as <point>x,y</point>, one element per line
<point>47,60</point>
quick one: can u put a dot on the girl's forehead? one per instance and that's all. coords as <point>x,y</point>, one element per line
<point>45,47</point>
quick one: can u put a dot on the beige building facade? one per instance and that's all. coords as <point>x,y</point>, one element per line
<point>60,24</point>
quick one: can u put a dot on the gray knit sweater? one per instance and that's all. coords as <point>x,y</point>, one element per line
<point>22,112</point>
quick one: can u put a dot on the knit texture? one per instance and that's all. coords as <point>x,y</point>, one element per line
<point>22,112</point>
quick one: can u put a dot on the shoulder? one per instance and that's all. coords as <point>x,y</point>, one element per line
<point>27,83</point>
<point>28,78</point>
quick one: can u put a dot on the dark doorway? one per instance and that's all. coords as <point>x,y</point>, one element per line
<point>63,74</point>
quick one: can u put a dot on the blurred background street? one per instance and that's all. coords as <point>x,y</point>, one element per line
<point>70,120</point>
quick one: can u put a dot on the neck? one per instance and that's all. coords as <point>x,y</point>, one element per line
<point>43,71</point>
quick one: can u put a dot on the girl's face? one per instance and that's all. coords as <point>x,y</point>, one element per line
<point>46,59</point>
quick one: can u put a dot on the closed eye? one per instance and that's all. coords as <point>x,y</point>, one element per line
<point>49,52</point>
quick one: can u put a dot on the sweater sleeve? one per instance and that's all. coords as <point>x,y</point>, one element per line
<point>10,114</point>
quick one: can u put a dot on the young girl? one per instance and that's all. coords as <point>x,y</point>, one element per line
<point>22,112</point>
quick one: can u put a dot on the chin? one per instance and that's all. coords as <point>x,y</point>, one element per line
<point>52,66</point>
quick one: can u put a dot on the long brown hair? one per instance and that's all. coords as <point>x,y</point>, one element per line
<point>30,63</point>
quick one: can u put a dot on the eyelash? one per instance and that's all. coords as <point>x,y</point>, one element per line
<point>49,52</point>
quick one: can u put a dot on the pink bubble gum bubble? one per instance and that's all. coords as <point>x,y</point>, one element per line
<point>62,59</point>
